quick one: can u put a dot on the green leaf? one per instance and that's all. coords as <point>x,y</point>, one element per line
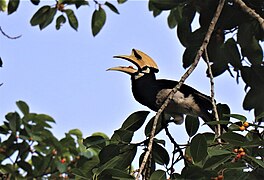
<point>217,151</point>
<point>149,126</point>
<point>48,16</point>
<point>165,5</point>
<point>155,10</point>
<point>95,141</point>
<point>112,7</point>
<point>151,166</point>
<point>223,109</point>
<point>121,135</point>
<point>189,56</point>
<point>1,62</point>
<point>98,20</point>
<point>4,130</point>
<point>230,174</point>
<point>101,134</point>
<point>81,3</point>
<point>233,52</point>
<point>109,164</point>
<point>258,161</point>
<point>121,1</point>
<point>217,122</point>
<point>160,154</point>
<point>191,125</point>
<point>233,138</point>
<point>253,52</point>
<point>37,162</point>
<point>158,175</point>
<point>12,6</point>
<point>215,161</point>
<point>108,152</point>
<point>210,137</point>
<point>198,148</point>
<point>14,121</point>
<point>61,167</point>
<point>218,68</point>
<point>258,117</point>
<point>231,165</point>
<point>25,166</point>
<point>195,172</point>
<point>184,32</point>
<point>135,121</point>
<point>171,20</point>
<point>3,7</point>
<point>23,107</point>
<point>35,2</point>
<point>45,117</point>
<point>76,132</point>
<point>244,34</point>
<point>122,161</point>
<point>115,174</point>
<point>72,18</point>
<point>39,17</point>
<point>128,153</point>
<point>237,116</point>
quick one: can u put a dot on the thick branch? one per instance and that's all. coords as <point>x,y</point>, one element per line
<point>251,12</point>
<point>183,78</point>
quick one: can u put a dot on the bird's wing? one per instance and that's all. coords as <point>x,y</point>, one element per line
<point>203,100</point>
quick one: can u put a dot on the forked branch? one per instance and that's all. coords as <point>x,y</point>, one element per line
<point>183,78</point>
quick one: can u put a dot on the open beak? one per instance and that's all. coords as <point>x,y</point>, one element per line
<point>139,59</point>
<point>129,70</point>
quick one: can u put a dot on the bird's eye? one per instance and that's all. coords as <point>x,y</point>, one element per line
<point>146,69</point>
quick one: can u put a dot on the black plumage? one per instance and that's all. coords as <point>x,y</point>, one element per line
<point>147,88</point>
<point>152,92</point>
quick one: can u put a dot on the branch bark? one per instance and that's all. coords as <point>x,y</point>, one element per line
<point>218,127</point>
<point>183,78</point>
<point>251,12</point>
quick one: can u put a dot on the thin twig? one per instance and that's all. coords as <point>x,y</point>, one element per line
<point>218,127</point>
<point>251,12</point>
<point>183,78</point>
<point>177,148</point>
<point>6,35</point>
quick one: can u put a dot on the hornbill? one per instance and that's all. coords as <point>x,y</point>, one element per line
<point>152,92</point>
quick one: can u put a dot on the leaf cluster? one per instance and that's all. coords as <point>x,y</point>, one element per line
<point>234,45</point>
<point>45,15</point>
<point>28,149</point>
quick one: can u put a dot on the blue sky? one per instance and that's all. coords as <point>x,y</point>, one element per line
<point>63,73</point>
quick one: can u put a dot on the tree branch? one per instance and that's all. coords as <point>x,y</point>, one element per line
<point>183,78</point>
<point>176,148</point>
<point>6,35</point>
<point>218,127</point>
<point>251,12</point>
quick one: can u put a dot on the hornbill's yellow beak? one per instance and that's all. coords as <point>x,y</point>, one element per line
<point>140,59</point>
<point>129,70</point>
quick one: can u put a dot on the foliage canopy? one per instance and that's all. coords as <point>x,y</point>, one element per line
<point>28,148</point>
